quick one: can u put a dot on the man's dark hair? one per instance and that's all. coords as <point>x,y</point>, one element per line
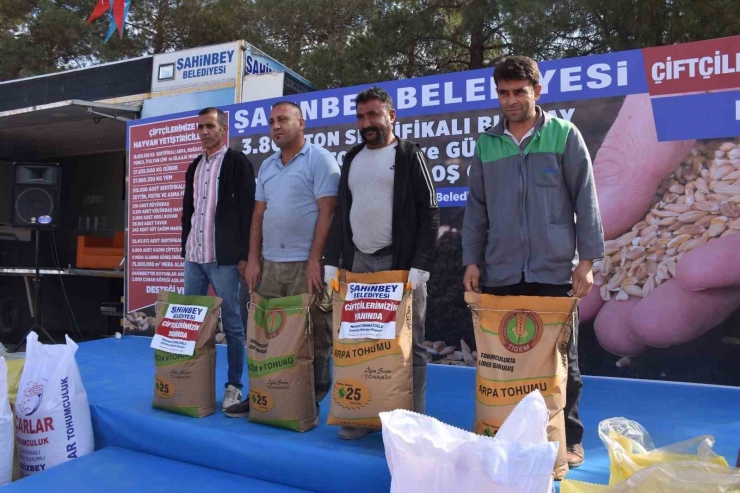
<point>222,120</point>
<point>516,67</point>
<point>289,103</point>
<point>375,93</point>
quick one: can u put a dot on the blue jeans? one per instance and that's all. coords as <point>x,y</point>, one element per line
<point>225,282</point>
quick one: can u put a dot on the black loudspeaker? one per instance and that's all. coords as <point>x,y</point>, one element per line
<point>36,195</point>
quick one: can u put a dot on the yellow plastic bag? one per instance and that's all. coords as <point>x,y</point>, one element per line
<point>636,466</point>
<point>570,486</point>
<point>15,368</point>
<point>631,449</point>
<point>14,362</point>
<point>668,477</point>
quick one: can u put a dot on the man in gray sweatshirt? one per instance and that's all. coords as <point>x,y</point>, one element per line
<point>532,225</point>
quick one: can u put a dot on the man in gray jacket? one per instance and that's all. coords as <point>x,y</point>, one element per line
<point>531,178</point>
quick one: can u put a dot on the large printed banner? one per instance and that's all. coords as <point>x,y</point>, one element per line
<point>159,153</point>
<point>662,127</point>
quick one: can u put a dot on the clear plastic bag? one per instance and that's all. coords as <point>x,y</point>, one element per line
<point>631,449</point>
<point>427,455</point>
<point>668,477</point>
<point>636,466</point>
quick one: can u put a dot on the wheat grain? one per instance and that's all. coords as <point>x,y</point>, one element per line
<point>698,203</point>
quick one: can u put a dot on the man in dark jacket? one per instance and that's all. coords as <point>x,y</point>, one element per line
<point>387,218</point>
<point>216,216</point>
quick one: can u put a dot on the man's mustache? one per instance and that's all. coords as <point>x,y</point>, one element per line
<point>366,130</point>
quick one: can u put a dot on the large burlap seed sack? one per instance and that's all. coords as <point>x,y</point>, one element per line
<point>522,346</point>
<point>185,354</point>
<point>280,356</point>
<point>372,348</point>
<point>7,437</point>
<point>52,414</point>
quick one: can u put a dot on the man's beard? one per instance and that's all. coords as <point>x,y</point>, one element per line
<point>380,135</point>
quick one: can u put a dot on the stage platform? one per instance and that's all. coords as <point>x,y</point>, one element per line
<point>119,375</point>
<point>117,470</point>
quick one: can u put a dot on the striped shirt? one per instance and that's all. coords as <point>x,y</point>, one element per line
<point>201,245</point>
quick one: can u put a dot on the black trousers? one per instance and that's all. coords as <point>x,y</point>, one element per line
<point>573,424</point>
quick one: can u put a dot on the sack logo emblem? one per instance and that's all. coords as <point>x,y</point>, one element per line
<point>274,322</point>
<point>520,331</point>
<point>33,395</point>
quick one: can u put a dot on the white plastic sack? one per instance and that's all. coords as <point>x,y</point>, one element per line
<point>52,415</point>
<point>427,455</point>
<point>6,428</point>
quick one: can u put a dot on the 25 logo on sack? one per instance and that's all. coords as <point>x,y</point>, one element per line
<point>486,429</point>
<point>261,401</point>
<point>520,331</point>
<point>163,387</point>
<point>351,394</point>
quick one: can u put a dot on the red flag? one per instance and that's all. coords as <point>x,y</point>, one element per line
<point>118,8</point>
<point>101,8</point>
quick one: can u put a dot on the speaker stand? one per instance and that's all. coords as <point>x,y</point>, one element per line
<point>36,293</point>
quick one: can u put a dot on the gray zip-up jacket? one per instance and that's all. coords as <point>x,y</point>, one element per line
<point>531,209</point>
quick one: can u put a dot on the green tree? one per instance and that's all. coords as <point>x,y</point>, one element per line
<point>324,40</point>
<point>599,27</point>
<point>338,43</point>
<point>40,36</point>
<point>176,24</point>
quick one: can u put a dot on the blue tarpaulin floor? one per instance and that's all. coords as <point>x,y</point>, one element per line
<point>117,470</point>
<point>119,376</point>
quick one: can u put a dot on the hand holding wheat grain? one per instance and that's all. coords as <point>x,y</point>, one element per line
<point>670,212</point>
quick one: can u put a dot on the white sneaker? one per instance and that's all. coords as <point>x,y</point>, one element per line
<point>232,396</point>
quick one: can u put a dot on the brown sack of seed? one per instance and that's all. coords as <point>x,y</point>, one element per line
<point>185,383</point>
<point>521,342</point>
<point>372,374</point>
<point>280,356</point>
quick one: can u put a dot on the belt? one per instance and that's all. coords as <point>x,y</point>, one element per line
<point>382,252</point>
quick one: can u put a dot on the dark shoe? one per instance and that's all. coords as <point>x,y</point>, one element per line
<point>576,455</point>
<point>240,410</point>
<point>353,433</point>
